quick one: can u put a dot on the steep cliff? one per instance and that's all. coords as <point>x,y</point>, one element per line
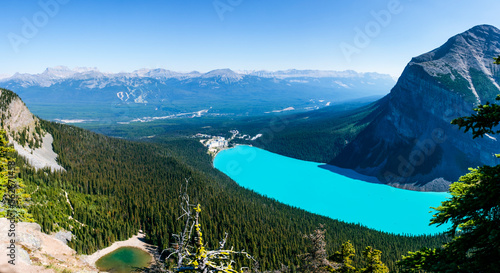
<point>25,132</point>
<point>411,143</point>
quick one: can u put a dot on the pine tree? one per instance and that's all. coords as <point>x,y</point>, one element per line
<point>5,150</point>
<point>374,264</point>
<point>13,198</point>
<point>344,258</point>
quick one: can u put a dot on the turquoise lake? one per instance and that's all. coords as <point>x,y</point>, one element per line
<point>308,185</point>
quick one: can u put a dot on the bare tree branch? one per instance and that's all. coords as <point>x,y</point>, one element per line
<point>196,257</point>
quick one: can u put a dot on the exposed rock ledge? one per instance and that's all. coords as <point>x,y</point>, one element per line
<point>436,185</point>
<point>37,252</point>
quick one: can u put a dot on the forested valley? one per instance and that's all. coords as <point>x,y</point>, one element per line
<point>116,187</point>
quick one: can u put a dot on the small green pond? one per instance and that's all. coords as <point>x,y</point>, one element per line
<point>124,260</point>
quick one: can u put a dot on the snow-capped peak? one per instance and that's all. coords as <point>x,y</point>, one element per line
<point>85,69</point>
<point>157,73</point>
<point>58,72</point>
<point>223,74</point>
<point>65,72</point>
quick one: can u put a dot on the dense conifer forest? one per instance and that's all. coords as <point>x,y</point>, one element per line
<point>115,187</point>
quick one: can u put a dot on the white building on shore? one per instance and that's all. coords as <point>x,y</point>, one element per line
<point>218,142</point>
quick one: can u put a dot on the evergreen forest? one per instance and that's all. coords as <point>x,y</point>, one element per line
<point>112,188</point>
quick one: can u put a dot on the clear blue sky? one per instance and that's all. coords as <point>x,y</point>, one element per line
<point>186,35</point>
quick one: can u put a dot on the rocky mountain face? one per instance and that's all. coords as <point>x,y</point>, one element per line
<point>25,132</point>
<point>148,93</point>
<point>37,252</point>
<point>411,143</point>
<point>20,124</point>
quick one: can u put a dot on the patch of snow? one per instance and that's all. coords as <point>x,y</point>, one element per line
<point>495,83</point>
<point>256,137</point>
<point>41,157</point>
<point>473,89</point>
<point>74,120</point>
<point>149,119</point>
<point>121,96</point>
<point>140,99</point>
<point>201,112</point>
<point>286,109</point>
<point>491,137</point>
<point>341,84</point>
<point>299,81</point>
<point>328,103</point>
<point>191,114</point>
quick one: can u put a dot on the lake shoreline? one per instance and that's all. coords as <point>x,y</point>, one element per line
<point>227,148</point>
<point>136,241</point>
<point>319,188</point>
<point>438,185</point>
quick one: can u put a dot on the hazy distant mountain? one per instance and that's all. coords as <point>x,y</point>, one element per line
<point>87,93</point>
<point>312,74</point>
<point>411,139</point>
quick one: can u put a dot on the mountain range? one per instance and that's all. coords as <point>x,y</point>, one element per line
<point>146,94</point>
<point>57,74</point>
<point>406,138</point>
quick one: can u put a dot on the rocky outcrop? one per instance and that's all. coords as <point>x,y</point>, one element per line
<point>64,236</point>
<point>25,132</point>
<point>32,251</point>
<point>411,143</point>
<point>18,121</point>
